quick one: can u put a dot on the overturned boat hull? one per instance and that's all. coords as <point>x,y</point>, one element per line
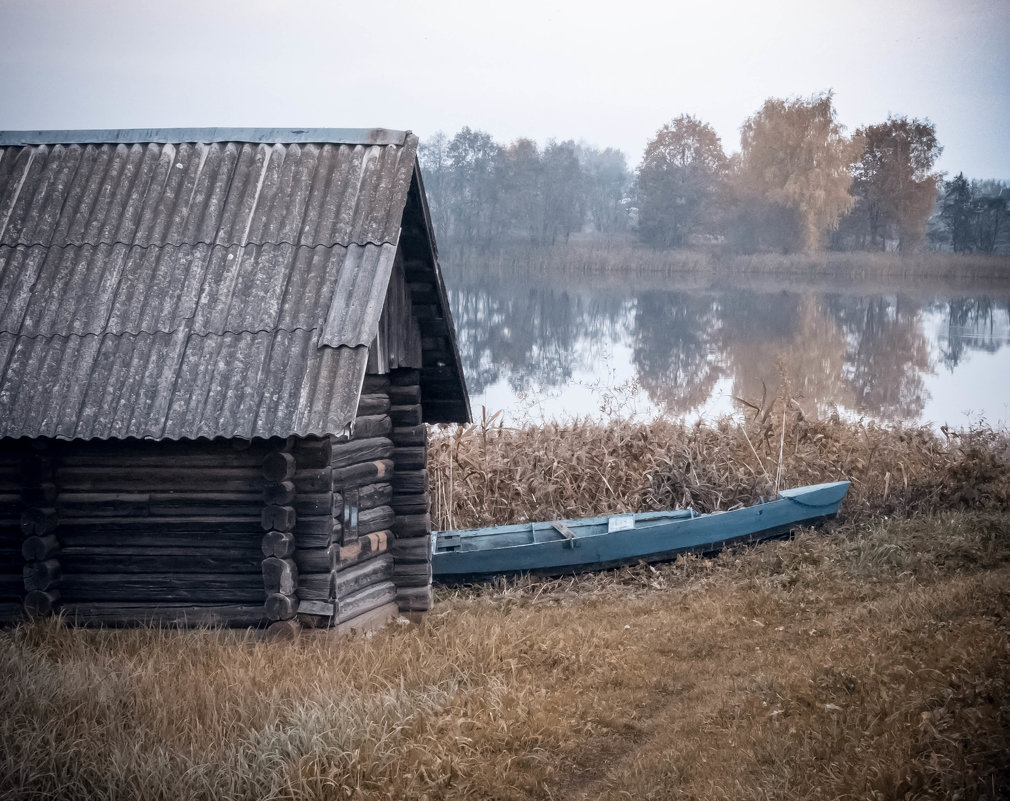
<point>566,546</point>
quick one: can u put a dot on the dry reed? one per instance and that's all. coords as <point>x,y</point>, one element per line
<point>490,474</point>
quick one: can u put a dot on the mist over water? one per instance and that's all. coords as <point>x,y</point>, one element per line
<point>556,348</point>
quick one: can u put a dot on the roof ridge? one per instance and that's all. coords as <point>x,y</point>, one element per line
<point>125,136</point>
<point>154,245</point>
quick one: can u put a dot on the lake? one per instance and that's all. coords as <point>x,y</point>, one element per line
<point>539,348</point>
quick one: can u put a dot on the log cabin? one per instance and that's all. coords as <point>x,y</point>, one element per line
<point>219,350</point>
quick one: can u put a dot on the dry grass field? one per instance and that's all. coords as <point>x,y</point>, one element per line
<point>867,660</point>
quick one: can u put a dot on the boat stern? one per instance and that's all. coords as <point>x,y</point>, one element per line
<point>826,496</point>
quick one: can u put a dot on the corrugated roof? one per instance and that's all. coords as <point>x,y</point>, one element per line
<point>193,288</point>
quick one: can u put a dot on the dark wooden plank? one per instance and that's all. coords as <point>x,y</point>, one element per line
<point>315,479</point>
<point>373,495</point>
<point>410,435</point>
<point>165,478</point>
<point>407,415</point>
<point>281,544</point>
<point>312,452</point>
<point>279,466</point>
<point>405,395</point>
<point>317,560</point>
<point>375,384</point>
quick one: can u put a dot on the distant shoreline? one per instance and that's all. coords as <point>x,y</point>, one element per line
<point>603,258</point>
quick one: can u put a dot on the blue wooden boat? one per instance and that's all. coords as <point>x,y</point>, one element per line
<point>567,546</point>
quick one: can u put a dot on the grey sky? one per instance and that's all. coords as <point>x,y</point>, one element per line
<point>611,74</point>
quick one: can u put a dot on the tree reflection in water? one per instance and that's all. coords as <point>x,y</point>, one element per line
<point>868,354</point>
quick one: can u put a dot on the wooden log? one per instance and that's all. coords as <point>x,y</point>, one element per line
<point>279,494</point>
<point>405,396</point>
<point>134,478</point>
<point>41,603</point>
<point>12,585</point>
<point>378,519</point>
<point>42,495</point>
<point>44,575</point>
<point>207,527</point>
<point>162,560</point>
<point>375,384</point>
<point>104,504</point>
<point>198,504</point>
<point>412,574</point>
<point>317,532</point>
<point>317,560</point>
<point>11,505</point>
<point>410,435</point>
<point>312,452</point>
<point>410,504</point>
<point>280,575</point>
<point>279,518</point>
<point>405,377</point>
<point>373,495</point>
<point>411,549</point>
<point>36,468</point>
<point>410,457</point>
<point>363,548</point>
<point>378,425</point>
<point>412,525</point>
<point>278,466</point>
<point>40,547</point>
<point>316,504</point>
<point>278,543</point>
<point>37,521</point>
<point>414,599</point>
<point>11,612</point>
<point>126,615</point>
<point>367,600</point>
<point>360,474</point>
<point>316,479</point>
<point>374,403</point>
<point>409,482</point>
<point>407,415</point>
<point>358,451</point>
<point>141,456</point>
<point>352,579</point>
<point>207,588</point>
<point>316,586</point>
<point>280,607</point>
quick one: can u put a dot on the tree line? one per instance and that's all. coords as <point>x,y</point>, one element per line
<point>799,183</point>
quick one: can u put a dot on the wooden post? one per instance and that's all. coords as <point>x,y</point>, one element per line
<point>42,574</point>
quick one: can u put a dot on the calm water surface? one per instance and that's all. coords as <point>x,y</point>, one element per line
<point>540,349</point>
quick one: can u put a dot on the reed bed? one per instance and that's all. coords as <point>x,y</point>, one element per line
<point>490,474</point>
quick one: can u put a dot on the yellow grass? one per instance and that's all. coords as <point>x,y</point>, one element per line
<point>871,662</point>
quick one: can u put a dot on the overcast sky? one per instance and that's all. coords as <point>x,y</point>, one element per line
<point>610,74</point>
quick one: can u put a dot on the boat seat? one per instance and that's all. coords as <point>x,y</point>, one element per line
<point>565,532</point>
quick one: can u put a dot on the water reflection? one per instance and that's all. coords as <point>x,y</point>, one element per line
<point>873,354</point>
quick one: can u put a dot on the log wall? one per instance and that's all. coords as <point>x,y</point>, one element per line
<point>12,588</point>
